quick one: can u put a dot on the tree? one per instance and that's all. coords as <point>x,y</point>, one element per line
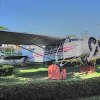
<point>3,28</point>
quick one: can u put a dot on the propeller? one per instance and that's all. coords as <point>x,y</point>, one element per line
<point>91,43</point>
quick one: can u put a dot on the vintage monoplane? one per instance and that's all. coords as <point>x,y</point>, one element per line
<point>40,48</point>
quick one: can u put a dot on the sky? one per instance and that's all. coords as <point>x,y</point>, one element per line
<point>51,17</point>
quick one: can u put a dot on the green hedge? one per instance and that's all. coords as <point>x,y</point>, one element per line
<point>6,70</point>
<point>51,90</point>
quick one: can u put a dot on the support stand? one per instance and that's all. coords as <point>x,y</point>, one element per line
<point>55,73</point>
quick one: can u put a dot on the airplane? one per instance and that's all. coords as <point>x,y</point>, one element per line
<point>40,48</point>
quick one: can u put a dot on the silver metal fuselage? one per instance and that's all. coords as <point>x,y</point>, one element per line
<point>75,47</point>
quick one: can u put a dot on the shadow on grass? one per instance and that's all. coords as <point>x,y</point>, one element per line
<point>36,66</point>
<point>74,73</point>
<point>11,81</point>
<point>32,74</point>
<point>8,79</point>
<point>74,76</point>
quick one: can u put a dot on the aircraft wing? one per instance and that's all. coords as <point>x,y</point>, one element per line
<point>17,38</point>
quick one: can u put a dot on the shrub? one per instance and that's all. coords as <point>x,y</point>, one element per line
<point>6,70</point>
<point>51,90</point>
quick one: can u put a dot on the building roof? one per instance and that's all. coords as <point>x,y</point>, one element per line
<point>17,38</point>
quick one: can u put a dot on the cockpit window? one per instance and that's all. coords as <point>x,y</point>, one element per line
<point>75,39</point>
<point>71,39</point>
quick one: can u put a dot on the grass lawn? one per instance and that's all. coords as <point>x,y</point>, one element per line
<point>40,73</point>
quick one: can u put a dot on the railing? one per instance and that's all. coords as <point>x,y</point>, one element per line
<point>12,53</point>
